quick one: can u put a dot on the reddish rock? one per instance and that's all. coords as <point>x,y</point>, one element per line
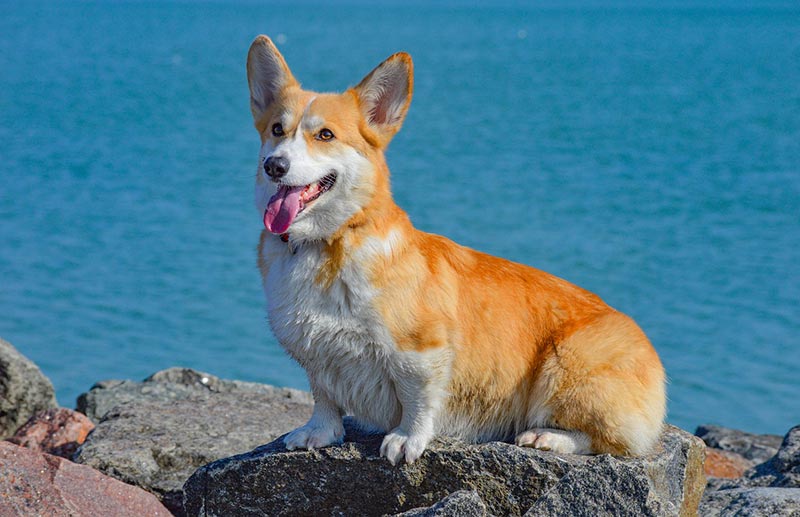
<point>55,431</point>
<point>35,483</point>
<point>725,464</point>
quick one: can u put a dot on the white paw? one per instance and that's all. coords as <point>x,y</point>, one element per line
<point>398,443</point>
<point>313,437</point>
<point>555,440</point>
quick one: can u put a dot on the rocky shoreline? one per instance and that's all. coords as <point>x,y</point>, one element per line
<point>183,442</point>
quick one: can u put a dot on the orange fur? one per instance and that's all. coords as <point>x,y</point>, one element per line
<point>512,325</point>
<point>521,338</point>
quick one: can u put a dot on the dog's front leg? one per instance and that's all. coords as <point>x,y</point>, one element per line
<point>421,383</point>
<point>323,429</point>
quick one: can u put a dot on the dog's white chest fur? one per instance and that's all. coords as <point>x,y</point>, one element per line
<point>332,331</point>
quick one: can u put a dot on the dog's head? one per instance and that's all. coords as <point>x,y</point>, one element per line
<point>321,159</point>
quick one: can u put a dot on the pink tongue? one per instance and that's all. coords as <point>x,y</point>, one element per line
<point>282,209</point>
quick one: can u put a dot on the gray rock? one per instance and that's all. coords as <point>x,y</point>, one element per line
<point>668,483</point>
<point>159,431</point>
<point>351,479</point>
<point>171,384</point>
<point>463,503</point>
<point>757,447</point>
<point>755,502</point>
<point>605,486</point>
<point>771,488</point>
<point>24,390</point>
<point>783,470</point>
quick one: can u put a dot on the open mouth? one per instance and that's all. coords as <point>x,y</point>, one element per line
<point>289,201</point>
<point>313,191</point>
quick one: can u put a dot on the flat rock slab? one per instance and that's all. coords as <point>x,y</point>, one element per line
<point>351,479</point>
<point>164,428</point>
<point>24,390</point>
<point>35,483</point>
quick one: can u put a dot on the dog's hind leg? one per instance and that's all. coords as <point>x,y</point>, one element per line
<point>604,384</point>
<point>556,440</point>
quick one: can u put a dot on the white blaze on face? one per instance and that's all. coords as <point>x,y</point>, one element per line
<point>282,203</point>
<point>304,168</point>
<point>264,187</point>
<point>300,184</point>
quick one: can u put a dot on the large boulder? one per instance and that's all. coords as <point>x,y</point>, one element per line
<point>352,479</point>
<point>156,433</point>
<point>35,483</point>
<point>24,390</point>
<point>770,488</point>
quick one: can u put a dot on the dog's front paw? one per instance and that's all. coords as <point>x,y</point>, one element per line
<point>399,443</point>
<point>313,437</point>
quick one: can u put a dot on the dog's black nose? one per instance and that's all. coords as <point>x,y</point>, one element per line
<point>276,167</point>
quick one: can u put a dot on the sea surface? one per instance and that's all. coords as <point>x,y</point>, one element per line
<point>650,154</point>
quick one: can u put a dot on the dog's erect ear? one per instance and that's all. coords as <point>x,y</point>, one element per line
<point>267,74</point>
<point>385,94</point>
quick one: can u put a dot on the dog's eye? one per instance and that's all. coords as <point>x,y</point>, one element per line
<point>277,129</point>
<point>325,134</point>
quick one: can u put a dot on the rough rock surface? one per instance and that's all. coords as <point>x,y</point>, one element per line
<point>783,469</point>
<point>756,447</point>
<point>726,464</point>
<point>755,502</point>
<point>172,384</point>
<point>352,479</point>
<point>24,390</point>
<point>463,503</point>
<point>56,431</point>
<point>771,488</point>
<point>34,483</point>
<point>158,432</point>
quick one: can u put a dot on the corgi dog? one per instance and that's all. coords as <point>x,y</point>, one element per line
<point>407,331</point>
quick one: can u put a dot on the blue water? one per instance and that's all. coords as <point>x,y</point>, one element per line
<point>651,155</point>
